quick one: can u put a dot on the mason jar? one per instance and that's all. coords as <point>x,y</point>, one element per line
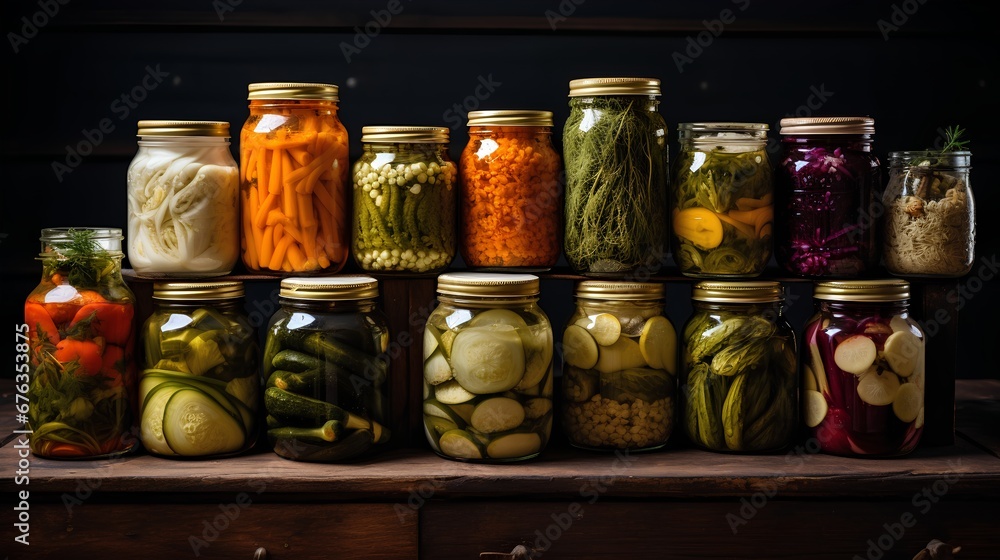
<point>511,193</point>
<point>826,217</point>
<point>615,153</point>
<point>863,372</point>
<point>326,368</point>
<point>82,390</point>
<point>199,389</point>
<point>183,200</point>
<point>619,379</point>
<point>293,183</point>
<point>739,382</point>
<point>929,225</point>
<point>723,200</point>
<point>405,188</point>
<point>487,369</point>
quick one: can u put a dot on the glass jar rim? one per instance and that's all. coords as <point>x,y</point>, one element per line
<point>307,91</point>
<point>108,240</point>
<point>822,126</point>
<point>174,128</point>
<point>510,117</point>
<point>329,288</point>
<point>930,159</point>
<point>384,134</point>
<point>597,87</point>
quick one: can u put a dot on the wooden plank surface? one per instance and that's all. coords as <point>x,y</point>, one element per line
<point>978,413</point>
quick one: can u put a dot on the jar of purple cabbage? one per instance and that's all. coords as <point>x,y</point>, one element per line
<point>825,213</point>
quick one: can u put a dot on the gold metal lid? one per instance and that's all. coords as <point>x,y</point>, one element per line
<point>619,291</point>
<point>487,284</point>
<point>510,118</point>
<point>737,292</point>
<point>197,291</point>
<point>183,128</point>
<point>863,290</point>
<point>293,90</point>
<point>405,134</point>
<point>332,288</point>
<point>589,87</point>
<point>827,125</point>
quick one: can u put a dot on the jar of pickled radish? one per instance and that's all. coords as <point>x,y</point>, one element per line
<point>82,391</point>
<point>326,368</point>
<point>293,180</point>
<point>183,200</point>
<point>405,188</point>
<point>619,367</point>
<point>863,372</point>
<point>825,183</point>
<point>511,195</point>
<point>739,376</point>
<point>487,369</point>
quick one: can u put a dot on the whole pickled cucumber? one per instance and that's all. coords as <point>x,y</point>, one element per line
<point>710,427</point>
<point>711,341</point>
<point>732,414</point>
<point>746,358</point>
<point>692,399</point>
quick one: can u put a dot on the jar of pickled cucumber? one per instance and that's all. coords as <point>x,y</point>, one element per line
<point>739,381</point>
<point>405,190</point>
<point>723,200</point>
<point>619,366</point>
<point>488,369</point>
<point>326,369</point>
<point>863,372</point>
<point>199,389</point>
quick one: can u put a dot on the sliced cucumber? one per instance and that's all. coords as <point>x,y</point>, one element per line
<point>459,444</point>
<point>451,392</point>
<point>514,445</point>
<point>432,339</point>
<point>658,344</point>
<point>437,370</point>
<point>498,414</point>
<point>537,343</point>
<point>488,359</point>
<point>498,317</point>
<point>151,429</point>
<point>437,427</point>
<point>579,348</point>
<point>195,424</point>
<point>604,327</point>
<point>434,408</point>
<point>623,354</point>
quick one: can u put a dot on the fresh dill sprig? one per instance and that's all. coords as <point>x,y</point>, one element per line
<point>83,259</point>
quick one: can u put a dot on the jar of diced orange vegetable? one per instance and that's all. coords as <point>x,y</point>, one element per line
<point>293,172</point>
<point>511,195</point>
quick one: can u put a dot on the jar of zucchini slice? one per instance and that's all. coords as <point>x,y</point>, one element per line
<point>739,383</point>
<point>619,365</point>
<point>723,205</point>
<point>863,372</point>
<point>326,370</point>
<point>199,388</point>
<point>488,369</point>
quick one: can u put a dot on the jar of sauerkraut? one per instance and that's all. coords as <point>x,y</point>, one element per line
<point>183,189</point>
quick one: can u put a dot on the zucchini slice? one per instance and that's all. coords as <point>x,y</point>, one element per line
<point>498,414</point>
<point>460,445</point>
<point>196,424</point>
<point>488,359</point>
<point>151,426</point>
<point>514,445</point>
<point>437,370</point>
<point>579,348</point>
<point>451,392</point>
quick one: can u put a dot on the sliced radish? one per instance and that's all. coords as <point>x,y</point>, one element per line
<point>908,403</point>
<point>814,408</point>
<point>902,351</point>
<point>879,387</point>
<point>855,354</point>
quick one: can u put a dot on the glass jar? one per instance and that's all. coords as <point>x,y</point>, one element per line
<point>723,200</point>
<point>863,372</point>
<point>82,392</point>
<point>404,200</point>
<point>293,184</point>
<point>326,366</point>
<point>511,195</point>
<point>825,192</point>
<point>929,227</point>
<point>487,369</point>
<point>615,152</point>
<point>199,388</point>
<point>619,367</point>
<point>183,200</point>
<point>739,382</point>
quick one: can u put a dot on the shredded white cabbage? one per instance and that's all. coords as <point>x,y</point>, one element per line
<point>183,211</point>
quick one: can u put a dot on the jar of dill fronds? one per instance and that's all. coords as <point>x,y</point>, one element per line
<point>722,198</point>
<point>615,153</point>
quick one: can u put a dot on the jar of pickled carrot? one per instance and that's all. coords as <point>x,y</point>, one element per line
<point>510,195</point>
<point>293,176</point>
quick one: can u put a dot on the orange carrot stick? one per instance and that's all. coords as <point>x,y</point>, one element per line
<point>279,252</point>
<point>267,247</point>
<point>274,180</point>
<point>260,219</point>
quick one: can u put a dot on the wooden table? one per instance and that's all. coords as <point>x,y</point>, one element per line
<point>407,503</point>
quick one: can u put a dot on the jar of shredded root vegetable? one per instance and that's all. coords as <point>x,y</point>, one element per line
<point>405,186</point>
<point>723,205</point>
<point>183,192</point>
<point>825,213</point>
<point>81,374</point>
<point>863,369</point>
<point>293,180</point>
<point>326,365</point>
<point>488,369</point>
<point>739,380</point>
<point>511,193</point>
<point>619,379</point>
<point>199,386</point>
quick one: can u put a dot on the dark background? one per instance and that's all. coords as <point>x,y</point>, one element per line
<point>936,68</point>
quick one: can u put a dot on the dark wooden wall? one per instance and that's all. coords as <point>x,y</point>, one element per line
<point>938,68</point>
